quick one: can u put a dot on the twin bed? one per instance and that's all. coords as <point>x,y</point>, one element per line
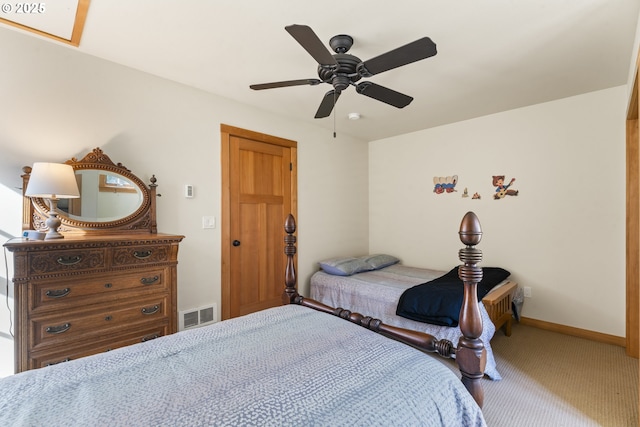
<point>297,364</point>
<point>375,284</point>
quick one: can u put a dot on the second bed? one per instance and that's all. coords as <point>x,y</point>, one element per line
<point>378,291</point>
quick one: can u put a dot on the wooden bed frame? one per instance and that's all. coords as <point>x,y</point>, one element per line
<point>498,305</point>
<point>470,354</point>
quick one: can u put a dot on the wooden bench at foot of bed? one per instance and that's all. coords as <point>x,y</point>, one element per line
<point>498,305</point>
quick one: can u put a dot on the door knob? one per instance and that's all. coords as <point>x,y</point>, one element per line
<point>236,243</point>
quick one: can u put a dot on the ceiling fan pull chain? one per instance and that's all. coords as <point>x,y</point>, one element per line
<point>334,114</point>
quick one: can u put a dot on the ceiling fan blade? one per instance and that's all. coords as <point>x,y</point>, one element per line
<point>310,82</point>
<point>312,44</point>
<point>381,93</point>
<point>412,52</point>
<point>327,104</point>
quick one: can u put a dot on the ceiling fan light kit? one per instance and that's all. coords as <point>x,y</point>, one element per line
<point>342,69</point>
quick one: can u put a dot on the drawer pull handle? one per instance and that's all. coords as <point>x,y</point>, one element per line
<point>150,310</point>
<point>108,285</point>
<point>142,254</point>
<point>59,361</point>
<point>69,260</point>
<point>108,318</point>
<point>58,329</point>
<point>58,293</point>
<point>150,337</point>
<point>149,280</point>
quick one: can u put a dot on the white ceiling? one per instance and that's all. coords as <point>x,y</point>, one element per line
<point>493,55</point>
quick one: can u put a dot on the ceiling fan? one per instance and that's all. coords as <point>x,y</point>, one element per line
<point>342,69</point>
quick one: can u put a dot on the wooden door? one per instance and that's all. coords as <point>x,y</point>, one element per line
<point>259,191</point>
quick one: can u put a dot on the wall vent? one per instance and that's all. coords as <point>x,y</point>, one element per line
<point>206,315</point>
<point>197,317</point>
<point>190,319</point>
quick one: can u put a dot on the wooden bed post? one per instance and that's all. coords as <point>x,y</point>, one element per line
<point>471,356</point>
<point>290,292</point>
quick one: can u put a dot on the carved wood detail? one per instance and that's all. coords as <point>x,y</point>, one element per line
<point>139,255</point>
<point>41,263</point>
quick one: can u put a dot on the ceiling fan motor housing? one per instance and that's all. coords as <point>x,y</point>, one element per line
<point>344,75</point>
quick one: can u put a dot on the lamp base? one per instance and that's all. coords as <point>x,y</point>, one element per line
<point>53,235</point>
<point>53,222</point>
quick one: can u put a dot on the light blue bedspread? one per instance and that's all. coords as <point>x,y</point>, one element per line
<point>286,366</point>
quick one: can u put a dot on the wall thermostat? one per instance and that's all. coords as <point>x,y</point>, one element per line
<point>188,191</point>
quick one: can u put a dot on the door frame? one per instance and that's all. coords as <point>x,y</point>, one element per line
<point>226,132</point>
<point>633,217</point>
<point>633,221</point>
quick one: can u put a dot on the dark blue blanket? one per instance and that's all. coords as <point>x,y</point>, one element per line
<point>439,301</point>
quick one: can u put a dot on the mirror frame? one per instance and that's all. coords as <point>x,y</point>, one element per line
<point>142,220</point>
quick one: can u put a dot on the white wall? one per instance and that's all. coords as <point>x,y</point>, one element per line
<point>563,235</point>
<point>58,103</point>
<point>632,63</point>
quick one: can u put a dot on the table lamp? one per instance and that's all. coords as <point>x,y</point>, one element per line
<point>52,181</point>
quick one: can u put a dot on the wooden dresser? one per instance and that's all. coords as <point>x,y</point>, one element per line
<point>109,282</point>
<point>84,295</point>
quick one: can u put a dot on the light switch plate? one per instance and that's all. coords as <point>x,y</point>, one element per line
<point>208,222</point>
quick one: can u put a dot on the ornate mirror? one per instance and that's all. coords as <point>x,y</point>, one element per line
<point>112,200</point>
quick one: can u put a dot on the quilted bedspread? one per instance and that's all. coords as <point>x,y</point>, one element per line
<point>376,294</point>
<point>286,366</point>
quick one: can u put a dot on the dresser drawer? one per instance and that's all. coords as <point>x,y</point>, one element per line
<point>70,327</point>
<point>46,358</point>
<point>67,260</point>
<point>142,254</point>
<point>47,295</point>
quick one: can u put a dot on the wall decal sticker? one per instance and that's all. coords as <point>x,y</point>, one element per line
<point>476,195</point>
<point>503,189</point>
<point>445,184</point>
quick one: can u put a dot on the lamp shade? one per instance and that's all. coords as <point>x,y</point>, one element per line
<point>52,180</point>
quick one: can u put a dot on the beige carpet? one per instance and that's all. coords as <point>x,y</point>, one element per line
<point>551,379</point>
